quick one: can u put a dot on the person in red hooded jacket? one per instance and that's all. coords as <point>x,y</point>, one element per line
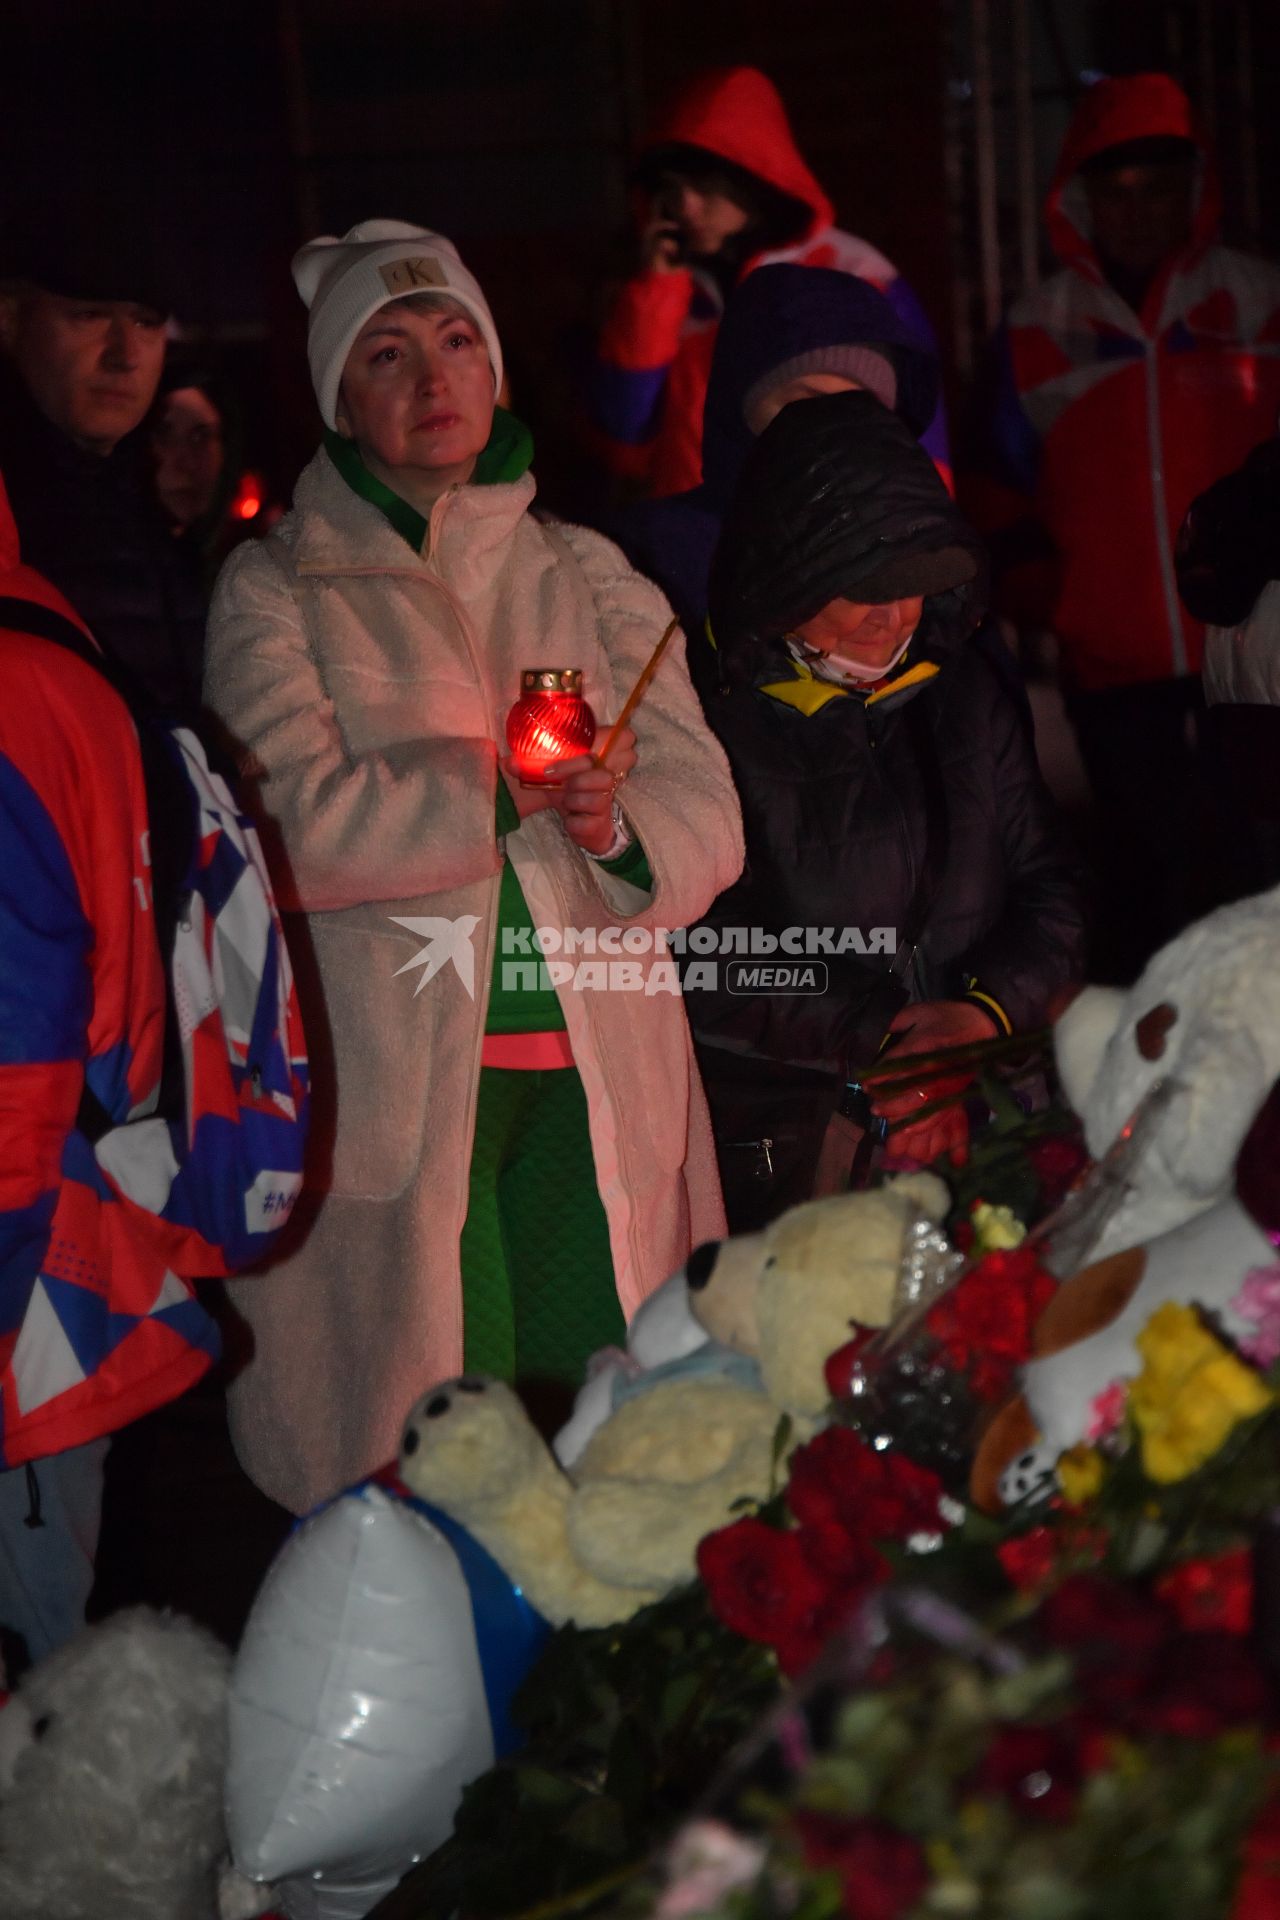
<point>1124,385</point>
<point>97,1327</point>
<point>726,190</point>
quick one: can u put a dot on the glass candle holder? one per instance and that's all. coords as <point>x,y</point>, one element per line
<point>549,723</point>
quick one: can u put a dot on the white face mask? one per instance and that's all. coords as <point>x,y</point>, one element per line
<point>839,669</point>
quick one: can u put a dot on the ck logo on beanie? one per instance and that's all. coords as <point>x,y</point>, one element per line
<point>406,276</point>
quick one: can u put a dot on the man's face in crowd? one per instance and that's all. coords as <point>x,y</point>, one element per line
<point>1142,213</point>
<point>91,366</point>
<point>702,209</point>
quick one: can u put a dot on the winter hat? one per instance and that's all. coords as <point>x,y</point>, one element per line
<point>342,281</point>
<point>73,245</point>
<point>837,500</point>
<point>872,370</point>
<point>786,319</point>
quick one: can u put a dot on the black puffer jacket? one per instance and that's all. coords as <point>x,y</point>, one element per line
<point>838,802</point>
<point>89,523</point>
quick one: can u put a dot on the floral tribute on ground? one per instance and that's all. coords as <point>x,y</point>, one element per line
<point>880,1702</point>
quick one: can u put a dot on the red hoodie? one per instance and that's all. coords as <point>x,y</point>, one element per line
<point>654,355</point>
<point>1109,422</point>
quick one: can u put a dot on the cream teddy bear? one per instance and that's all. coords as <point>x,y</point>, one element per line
<point>687,1440</point>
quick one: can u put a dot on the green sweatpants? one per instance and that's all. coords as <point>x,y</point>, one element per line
<point>538,1291</point>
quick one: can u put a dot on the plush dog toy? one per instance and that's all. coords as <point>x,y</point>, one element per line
<point>686,1439</point>
<point>1204,1019</point>
<point>111,1781</point>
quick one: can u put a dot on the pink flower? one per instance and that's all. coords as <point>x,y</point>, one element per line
<point>1259,1301</point>
<point>1106,1411</point>
<point>707,1862</point>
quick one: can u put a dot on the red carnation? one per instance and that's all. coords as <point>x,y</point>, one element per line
<point>758,1580</point>
<point>983,1325</point>
<point>837,1479</point>
<point>882,1872</point>
<point>1211,1595</point>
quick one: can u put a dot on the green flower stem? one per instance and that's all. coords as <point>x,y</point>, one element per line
<point>914,1067</point>
<point>582,1897</point>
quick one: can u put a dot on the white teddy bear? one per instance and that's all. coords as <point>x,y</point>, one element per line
<point>1205,1019</point>
<point>112,1757</point>
<point>1183,1062</point>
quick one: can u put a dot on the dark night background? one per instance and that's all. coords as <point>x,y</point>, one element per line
<point>242,128</point>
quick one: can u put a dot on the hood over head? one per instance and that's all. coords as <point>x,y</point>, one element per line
<point>785,314</point>
<point>19,582</point>
<point>735,115</point>
<point>1146,107</point>
<point>838,500</point>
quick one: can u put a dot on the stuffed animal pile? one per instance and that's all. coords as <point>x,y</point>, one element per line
<point>661,1457</point>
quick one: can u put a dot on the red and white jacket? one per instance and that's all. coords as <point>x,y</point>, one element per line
<point>1107,423</point>
<point>98,1321</point>
<point>649,383</point>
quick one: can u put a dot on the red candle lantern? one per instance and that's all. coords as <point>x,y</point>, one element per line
<point>549,723</point>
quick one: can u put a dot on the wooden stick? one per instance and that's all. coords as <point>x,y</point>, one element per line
<point>636,694</point>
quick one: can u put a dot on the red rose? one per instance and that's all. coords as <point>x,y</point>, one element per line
<point>838,1479</point>
<point>1202,1684</point>
<point>983,1325</point>
<point>758,1580</point>
<point>1088,1610</point>
<point>1258,1889</point>
<point>838,1369</point>
<point>840,1557</point>
<point>882,1872</point>
<point>1032,1560</point>
<point>1036,1768</point>
<point>1029,1560</point>
<point>1055,1161</point>
<point>1114,1631</point>
<point>1213,1594</point>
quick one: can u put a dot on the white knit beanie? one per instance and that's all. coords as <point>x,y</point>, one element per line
<point>342,281</point>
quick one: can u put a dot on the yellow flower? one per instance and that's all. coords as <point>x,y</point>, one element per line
<point>1081,1472</point>
<point>1190,1394</point>
<point>995,1229</point>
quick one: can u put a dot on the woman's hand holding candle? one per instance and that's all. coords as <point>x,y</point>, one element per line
<point>584,794</point>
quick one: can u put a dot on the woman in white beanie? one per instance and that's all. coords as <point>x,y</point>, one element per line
<point>508,1167</point>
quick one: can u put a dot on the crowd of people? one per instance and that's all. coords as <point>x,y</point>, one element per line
<point>837,760</point>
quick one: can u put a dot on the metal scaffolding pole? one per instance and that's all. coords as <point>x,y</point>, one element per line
<point>985,165</point>
<point>1024,136</point>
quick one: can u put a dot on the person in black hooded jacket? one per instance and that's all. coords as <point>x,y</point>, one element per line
<point>898,833</point>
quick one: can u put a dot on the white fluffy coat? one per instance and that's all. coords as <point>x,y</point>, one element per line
<point>370,686</point>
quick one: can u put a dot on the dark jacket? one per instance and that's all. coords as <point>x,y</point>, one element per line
<point>90,524</point>
<point>848,799</point>
<point>776,315</point>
